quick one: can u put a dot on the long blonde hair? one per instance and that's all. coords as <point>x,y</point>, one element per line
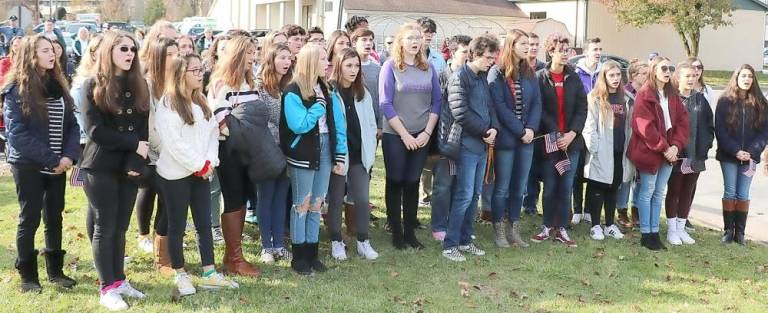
<point>155,32</point>
<point>307,72</point>
<point>88,61</point>
<point>177,92</point>
<point>599,95</point>
<point>398,55</point>
<point>232,68</point>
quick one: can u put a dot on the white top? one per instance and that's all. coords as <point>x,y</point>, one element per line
<point>185,148</point>
<point>322,123</point>
<point>664,102</point>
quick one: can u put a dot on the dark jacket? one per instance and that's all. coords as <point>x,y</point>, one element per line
<point>649,138</point>
<point>575,107</point>
<point>448,133</point>
<point>511,129</point>
<point>471,106</point>
<point>701,136</point>
<point>251,140</point>
<point>28,134</point>
<point>743,136</point>
<point>299,131</point>
<point>113,137</point>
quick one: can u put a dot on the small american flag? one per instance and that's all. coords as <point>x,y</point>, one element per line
<point>686,167</point>
<point>550,142</point>
<point>76,177</point>
<point>752,169</point>
<point>563,164</point>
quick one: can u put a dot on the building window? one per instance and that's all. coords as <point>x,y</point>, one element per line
<point>328,6</point>
<point>538,15</point>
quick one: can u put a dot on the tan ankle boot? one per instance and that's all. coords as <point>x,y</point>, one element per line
<point>162,259</point>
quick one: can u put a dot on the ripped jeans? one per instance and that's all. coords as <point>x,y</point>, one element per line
<point>308,189</point>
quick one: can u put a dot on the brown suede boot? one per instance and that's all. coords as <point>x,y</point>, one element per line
<point>234,262</point>
<point>635,217</point>
<point>349,219</point>
<point>162,259</point>
<point>624,218</point>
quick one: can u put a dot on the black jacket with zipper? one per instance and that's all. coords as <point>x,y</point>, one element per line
<point>575,106</point>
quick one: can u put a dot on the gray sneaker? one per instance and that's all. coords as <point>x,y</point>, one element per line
<point>218,236</point>
<point>471,248</point>
<point>453,254</point>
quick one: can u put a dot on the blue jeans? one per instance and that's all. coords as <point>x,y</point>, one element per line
<point>442,184</point>
<point>470,170</point>
<point>512,169</point>
<point>558,190</point>
<point>736,183</point>
<point>270,207</point>
<point>622,196</point>
<point>309,188</point>
<point>531,196</point>
<point>651,196</point>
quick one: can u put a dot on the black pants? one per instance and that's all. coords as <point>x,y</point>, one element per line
<point>403,169</point>
<point>236,188</point>
<point>145,203</point>
<point>193,193</point>
<point>578,187</point>
<point>602,195</point>
<point>39,195</point>
<point>111,196</point>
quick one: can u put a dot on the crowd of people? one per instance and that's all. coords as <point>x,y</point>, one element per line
<point>289,124</point>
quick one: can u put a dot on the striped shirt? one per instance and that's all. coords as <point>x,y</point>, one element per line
<point>55,127</point>
<point>518,90</point>
<point>225,99</point>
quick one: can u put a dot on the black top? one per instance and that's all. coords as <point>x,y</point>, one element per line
<point>354,139</point>
<point>619,121</point>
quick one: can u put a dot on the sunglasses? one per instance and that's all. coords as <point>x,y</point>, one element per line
<point>666,68</point>
<point>126,49</point>
<point>699,67</point>
<point>389,42</point>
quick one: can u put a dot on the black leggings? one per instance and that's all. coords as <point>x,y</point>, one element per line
<point>402,187</point>
<point>40,196</point>
<point>145,202</point>
<point>110,200</point>
<point>193,193</point>
<point>602,195</point>
<point>236,188</point>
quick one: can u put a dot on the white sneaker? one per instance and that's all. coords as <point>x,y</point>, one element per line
<point>587,217</point>
<point>189,226</point>
<point>596,232</point>
<point>146,245</point>
<point>471,248</point>
<point>337,250</point>
<point>127,290</point>
<point>682,232</point>
<point>217,281</point>
<point>283,253</point>
<point>672,236</point>
<point>113,301</point>
<point>365,250</point>
<point>184,284</point>
<point>218,236</point>
<point>576,219</point>
<point>266,256</point>
<point>453,254</point>
<point>127,259</point>
<point>613,231</point>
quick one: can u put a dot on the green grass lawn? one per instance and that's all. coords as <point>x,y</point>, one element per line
<point>609,276</point>
<point>721,78</point>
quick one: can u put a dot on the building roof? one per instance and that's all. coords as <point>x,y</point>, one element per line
<point>478,7</point>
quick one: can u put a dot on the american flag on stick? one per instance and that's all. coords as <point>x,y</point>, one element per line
<point>563,163</point>
<point>687,166</point>
<point>550,142</point>
<point>752,169</point>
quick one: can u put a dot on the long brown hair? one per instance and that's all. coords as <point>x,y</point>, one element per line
<point>155,64</point>
<point>509,63</point>
<point>31,81</point>
<point>233,67</point>
<point>155,32</point>
<point>331,47</point>
<point>669,90</point>
<point>272,85</point>
<point>398,55</point>
<point>213,52</point>
<point>751,98</point>
<point>358,88</point>
<point>177,93</point>
<point>106,91</point>
<point>601,92</point>
<point>692,60</point>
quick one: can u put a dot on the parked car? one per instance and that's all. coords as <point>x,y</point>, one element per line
<point>623,63</point>
<point>120,25</point>
<point>74,27</point>
<point>765,57</point>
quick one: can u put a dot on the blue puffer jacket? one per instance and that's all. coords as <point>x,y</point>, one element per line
<point>471,107</point>
<point>28,134</point>
<point>511,129</point>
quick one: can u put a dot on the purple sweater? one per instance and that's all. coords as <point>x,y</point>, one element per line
<point>410,95</point>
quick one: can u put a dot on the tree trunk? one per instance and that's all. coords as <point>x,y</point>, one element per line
<point>686,43</point>
<point>695,38</point>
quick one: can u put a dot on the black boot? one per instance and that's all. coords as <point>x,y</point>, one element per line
<point>729,218</point>
<point>299,262</point>
<point>393,198</point>
<point>410,211</point>
<point>313,258</point>
<point>658,242</point>
<point>54,264</point>
<point>411,240</point>
<point>28,272</point>
<point>740,224</point>
<point>644,240</point>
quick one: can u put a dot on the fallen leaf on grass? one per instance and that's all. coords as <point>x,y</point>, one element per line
<point>669,277</point>
<point>586,282</point>
<point>581,300</point>
<point>394,274</point>
<point>80,236</point>
<point>621,258</point>
<point>243,300</point>
<point>418,302</point>
<point>599,253</point>
<point>464,288</point>
<point>761,269</point>
<point>492,275</point>
<point>398,300</point>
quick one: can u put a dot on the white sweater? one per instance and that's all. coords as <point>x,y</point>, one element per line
<point>185,148</point>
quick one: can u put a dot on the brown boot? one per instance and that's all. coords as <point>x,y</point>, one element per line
<point>349,218</point>
<point>234,262</point>
<point>162,259</point>
<point>635,217</point>
<point>624,218</point>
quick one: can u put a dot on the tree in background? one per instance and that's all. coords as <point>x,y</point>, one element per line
<point>154,11</point>
<point>687,17</point>
<point>113,10</point>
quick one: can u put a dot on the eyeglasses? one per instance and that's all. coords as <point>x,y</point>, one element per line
<point>196,71</point>
<point>316,40</point>
<point>389,42</point>
<point>126,49</point>
<point>699,67</point>
<point>414,38</point>
<point>667,68</point>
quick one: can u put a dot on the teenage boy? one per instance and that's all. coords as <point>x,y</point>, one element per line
<point>316,36</point>
<point>297,37</point>
<point>362,40</point>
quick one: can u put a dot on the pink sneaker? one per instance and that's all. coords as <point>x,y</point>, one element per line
<point>438,235</point>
